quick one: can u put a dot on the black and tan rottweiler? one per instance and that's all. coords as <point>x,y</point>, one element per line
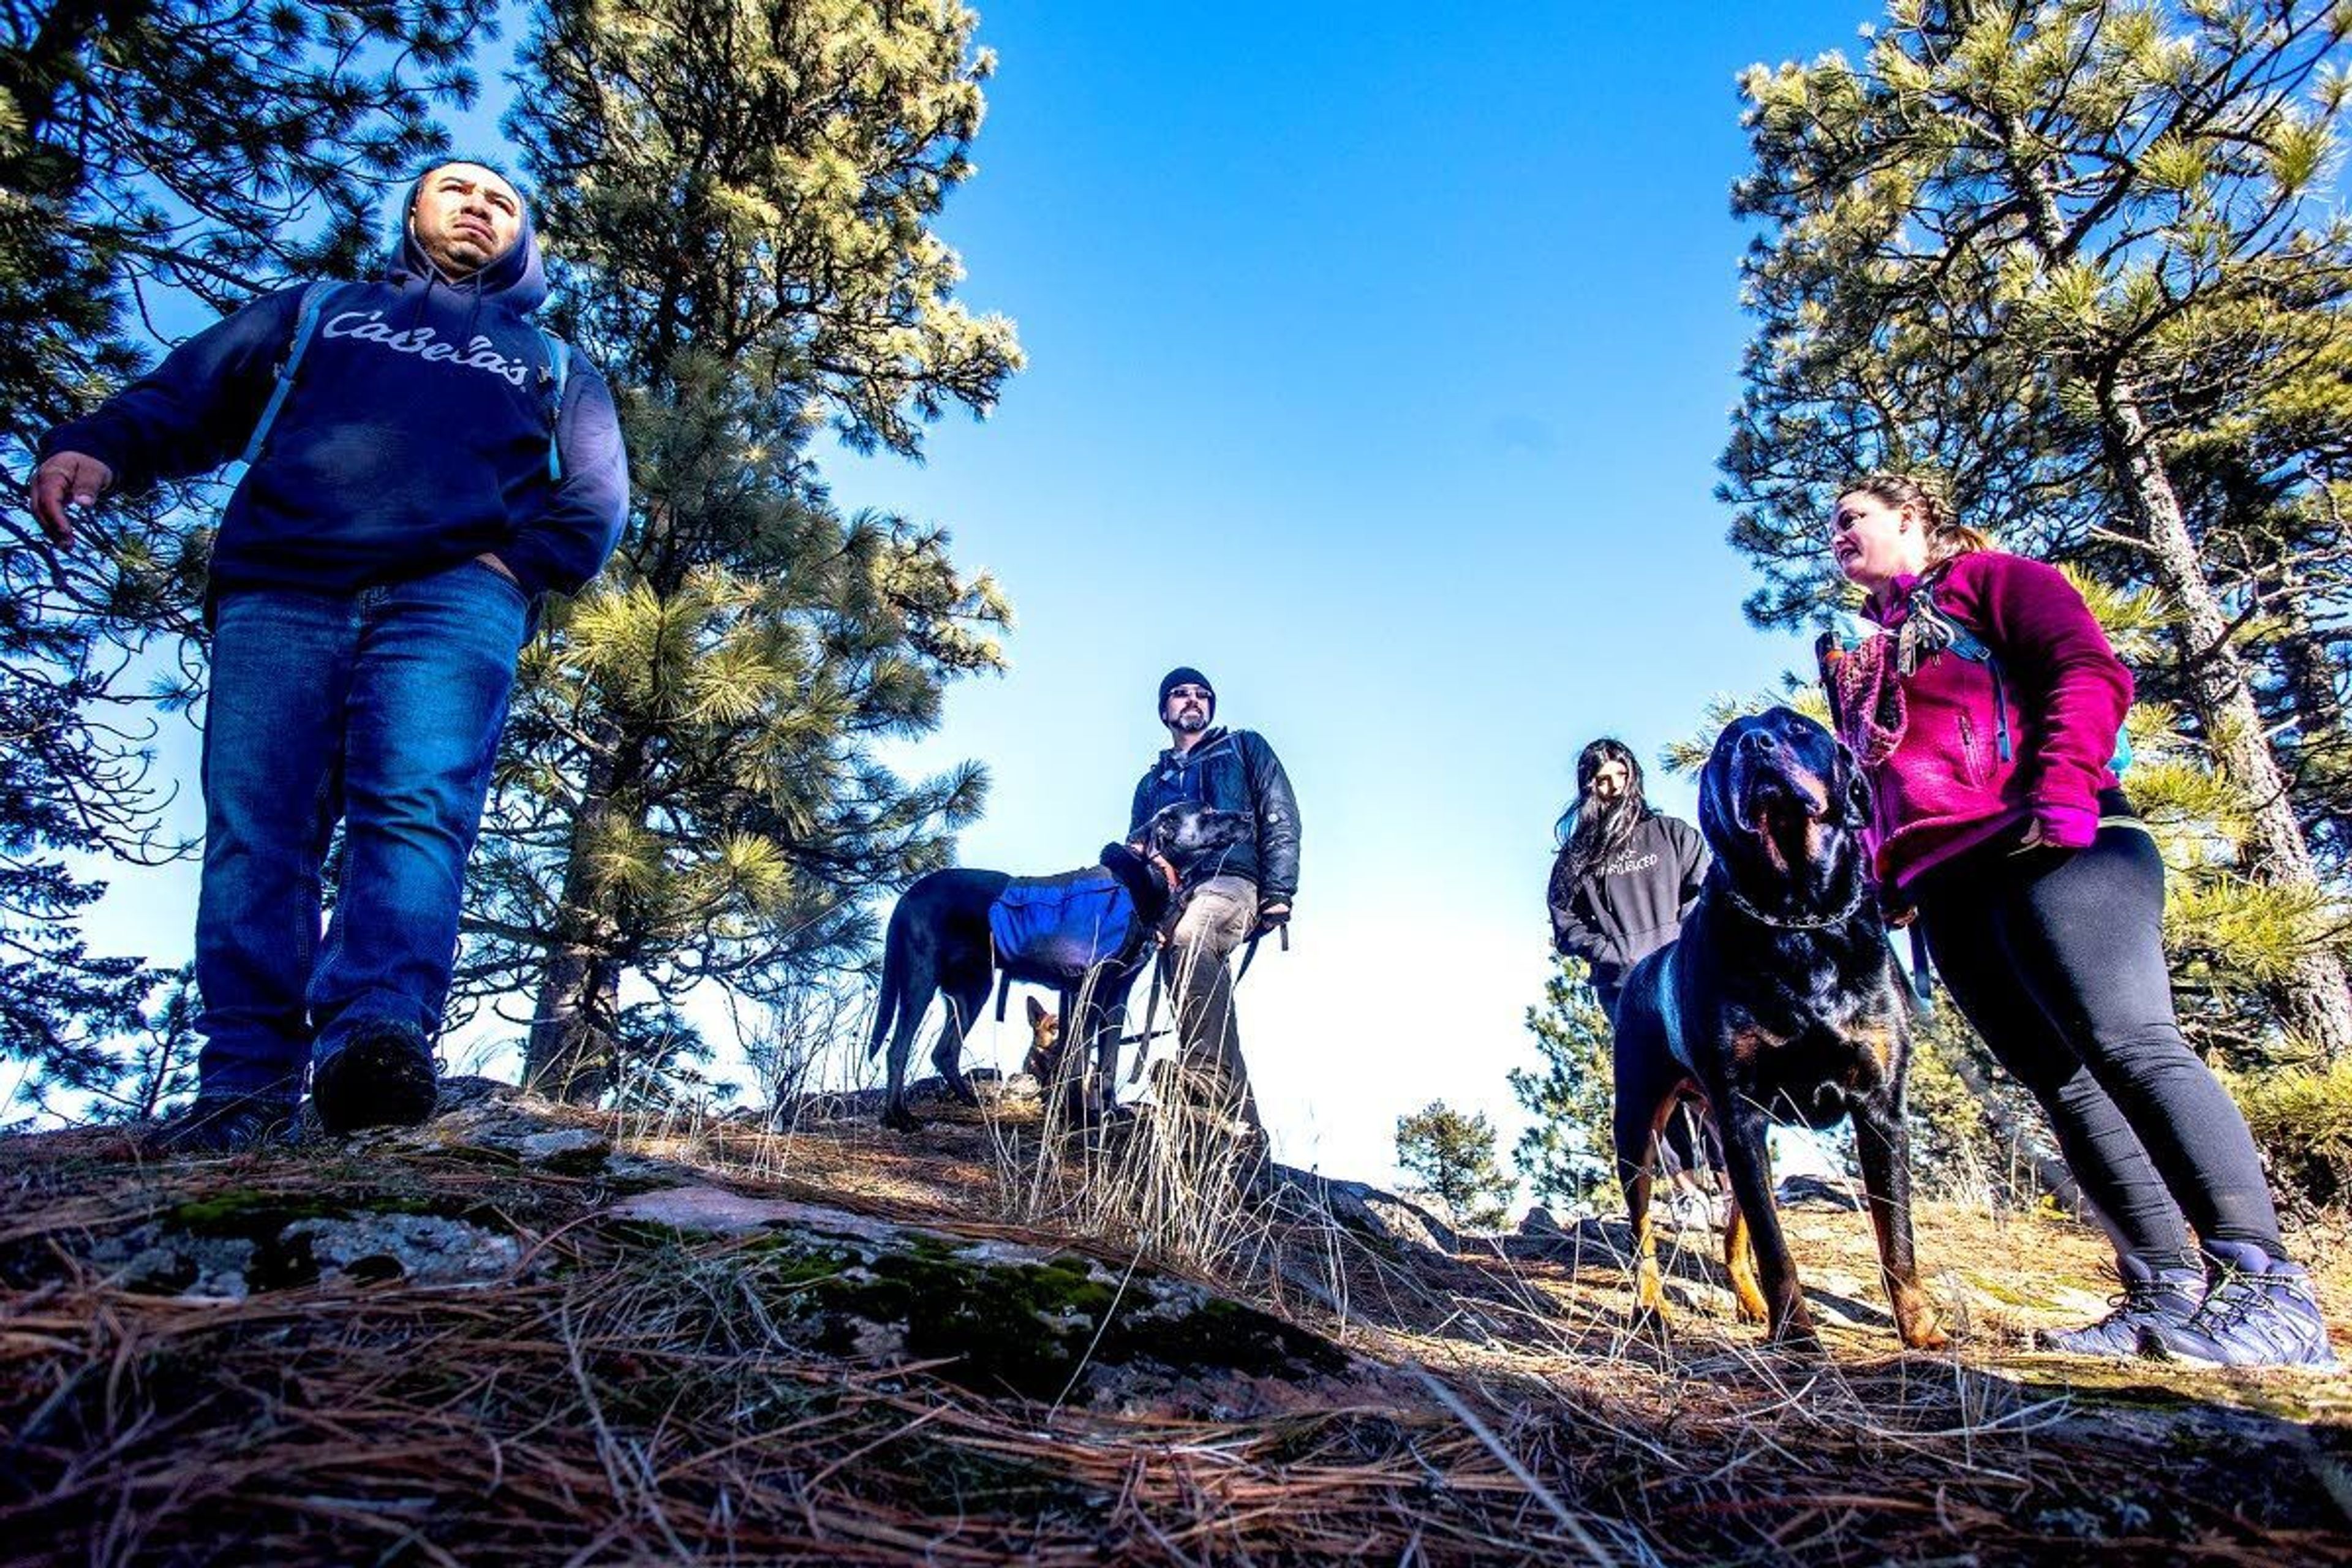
<point>939,941</point>
<point>1782,999</point>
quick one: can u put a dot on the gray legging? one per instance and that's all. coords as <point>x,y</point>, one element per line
<point>2057,957</point>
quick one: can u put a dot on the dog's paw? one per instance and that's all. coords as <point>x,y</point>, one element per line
<point>1924,1336</point>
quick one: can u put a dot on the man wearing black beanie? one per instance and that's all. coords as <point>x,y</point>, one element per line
<point>1229,770</point>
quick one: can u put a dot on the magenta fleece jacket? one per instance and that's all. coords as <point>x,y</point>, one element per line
<point>1945,788</point>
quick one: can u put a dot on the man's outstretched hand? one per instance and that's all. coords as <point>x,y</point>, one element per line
<point>66,479</point>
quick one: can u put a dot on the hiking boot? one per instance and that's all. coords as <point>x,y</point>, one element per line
<point>380,1074</point>
<point>223,1124</point>
<point>2257,1311</point>
<point>2157,1294</point>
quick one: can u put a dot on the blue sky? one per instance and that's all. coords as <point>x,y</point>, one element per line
<point>1379,368</point>
<point>1380,371</point>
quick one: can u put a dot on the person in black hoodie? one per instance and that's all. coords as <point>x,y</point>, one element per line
<point>1626,874</point>
<point>1625,877</point>
<point>424,463</point>
<point>1230,770</point>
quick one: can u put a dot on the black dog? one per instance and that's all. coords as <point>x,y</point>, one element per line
<point>940,940</point>
<point>1781,998</point>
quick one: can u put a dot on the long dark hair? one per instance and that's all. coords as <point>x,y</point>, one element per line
<point>1590,831</point>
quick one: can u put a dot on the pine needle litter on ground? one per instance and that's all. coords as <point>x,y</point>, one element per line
<point>199,1363</point>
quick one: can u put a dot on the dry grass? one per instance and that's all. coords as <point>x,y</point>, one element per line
<point>630,1398</point>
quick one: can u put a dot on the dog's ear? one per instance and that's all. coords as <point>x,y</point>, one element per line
<point>1036,1012</point>
<point>1714,789</point>
<point>1853,789</point>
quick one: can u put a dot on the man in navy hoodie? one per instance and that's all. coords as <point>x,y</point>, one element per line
<point>431,464</point>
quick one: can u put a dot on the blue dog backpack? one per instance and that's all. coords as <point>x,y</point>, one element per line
<point>1049,930</point>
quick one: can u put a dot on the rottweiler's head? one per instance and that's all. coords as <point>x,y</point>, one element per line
<point>1191,838</point>
<point>1780,801</point>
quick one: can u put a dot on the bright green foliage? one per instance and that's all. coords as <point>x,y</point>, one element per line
<point>738,193</point>
<point>742,190</point>
<point>151,155</point>
<point>2301,1120</point>
<point>1452,1155</point>
<point>1566,1152</point>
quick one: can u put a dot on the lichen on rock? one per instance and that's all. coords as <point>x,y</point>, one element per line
<point>1030,1320</point>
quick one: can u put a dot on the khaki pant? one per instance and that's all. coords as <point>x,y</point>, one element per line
<point>1219,918</point>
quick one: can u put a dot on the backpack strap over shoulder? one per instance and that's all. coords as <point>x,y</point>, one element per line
<point>305,326</point>
<point>557,375</point>
<point>559,372</point>
<point>1932,628</point>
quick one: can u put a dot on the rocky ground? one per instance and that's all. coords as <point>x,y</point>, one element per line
<point>523,1333</point>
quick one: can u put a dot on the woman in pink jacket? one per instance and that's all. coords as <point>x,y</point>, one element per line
<point>1985,702</point>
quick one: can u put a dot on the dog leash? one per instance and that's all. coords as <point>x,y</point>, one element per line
<point>1923,979</point>
<point>1249,952</point>
<point>1151,1000</point>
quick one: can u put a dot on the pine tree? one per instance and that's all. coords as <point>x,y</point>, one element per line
<point>135,1075</point>
<point>1452,1154</point>
<point>2058,252</point>
<point>741,193</point>
<point>151,155</point>
<point>1567,1151</point>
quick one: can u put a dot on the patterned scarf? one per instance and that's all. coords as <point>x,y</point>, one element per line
<point>1860,661</point>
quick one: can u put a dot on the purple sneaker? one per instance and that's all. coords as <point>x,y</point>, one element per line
<point>2162,1292</point>
<point>2259,1311</point>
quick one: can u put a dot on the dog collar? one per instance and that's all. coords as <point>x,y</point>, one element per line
<point>1823,923</point>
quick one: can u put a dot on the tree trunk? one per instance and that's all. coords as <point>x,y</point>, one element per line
<point>2315,1002</point>
<point>573,1027</point>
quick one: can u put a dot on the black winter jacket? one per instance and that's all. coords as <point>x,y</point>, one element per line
<point>1234,770</point>
<point>1633,905</point>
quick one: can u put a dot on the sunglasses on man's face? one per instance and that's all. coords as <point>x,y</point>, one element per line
<point>1190,693</point>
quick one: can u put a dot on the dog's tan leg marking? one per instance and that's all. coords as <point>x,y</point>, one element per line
<point>1649,1286</point>
<point>1882,1152</point>
<point>1758,1227</point>
<point>1649,1282</point>
<point>1914,1315</point>
<point>1740,1262</point>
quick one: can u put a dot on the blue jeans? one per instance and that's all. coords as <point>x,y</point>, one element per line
<point>381,709</point>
